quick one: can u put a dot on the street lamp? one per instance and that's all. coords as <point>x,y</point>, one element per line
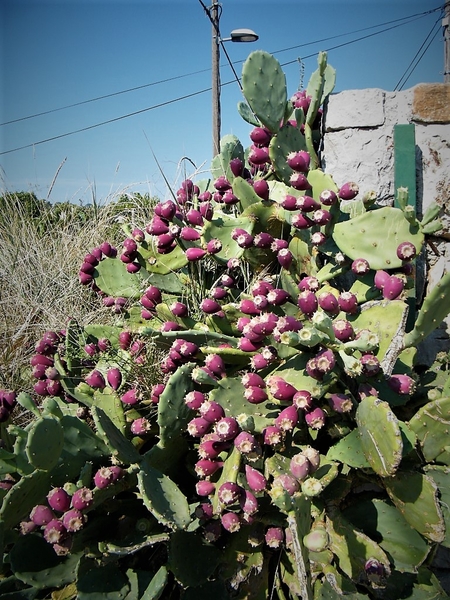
<point>237,35</point>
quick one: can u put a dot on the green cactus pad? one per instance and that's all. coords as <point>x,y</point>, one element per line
<point>264,87</point>
<point>96,581</point>
<point>441,477</point>
<point>380,435</point>
<point>173,414</point>
<point>352,547</point>
<point>113,279</point>
<point>384,523</point>
<point>246,113</point>
<point>376,236</point>
<point>163,497</point>
<point>230,147</point>
<point>121,448</point>
<point>221,227</point>
<point>110,403</point>
<point>434,309</point>
<point>45,443</point>
<point>191,560</point>
<point>288,139</point>
<point>162,264</point>
<point>348,450</point>
<point>242,567</point>
<point>431,424</point>
<point>322,80</point>
<point>23,496</point>
<point>246,194</point>
<point>415,496</point>
<point>34,562</point>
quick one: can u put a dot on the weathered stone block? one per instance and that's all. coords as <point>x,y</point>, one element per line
<point>355,108</point>
<point>431,103</point>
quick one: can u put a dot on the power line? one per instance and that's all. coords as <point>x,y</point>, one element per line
<point>407,20</point>
<point>194,94</point>
<point>402,82</point>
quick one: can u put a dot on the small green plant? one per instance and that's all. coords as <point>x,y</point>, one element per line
<point>283,446</point>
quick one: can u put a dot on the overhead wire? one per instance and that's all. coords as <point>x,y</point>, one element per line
<point>87,128</point>
<point>407,20</point>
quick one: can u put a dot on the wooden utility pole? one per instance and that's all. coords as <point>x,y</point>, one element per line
<point>214,12</point>
<point>446,26</point>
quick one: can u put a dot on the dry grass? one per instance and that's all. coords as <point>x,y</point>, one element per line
<point>39,288</point>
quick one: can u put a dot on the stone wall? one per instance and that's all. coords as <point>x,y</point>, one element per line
<point>358,145</point>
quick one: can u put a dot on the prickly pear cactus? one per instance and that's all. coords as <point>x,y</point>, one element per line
<point>252,424</point>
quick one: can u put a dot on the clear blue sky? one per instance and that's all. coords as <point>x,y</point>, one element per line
<point>54,53</point>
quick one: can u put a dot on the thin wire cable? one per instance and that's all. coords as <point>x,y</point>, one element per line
<point>400,81</point>
<point>177,99</point>
<point>420,57</point>
<point>408,19</point>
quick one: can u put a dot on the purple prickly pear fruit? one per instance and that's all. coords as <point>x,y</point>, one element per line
<point>170,326</point>
<point>370,365</point>
<point>255,479</point>
<point>307,204</point>
<point>302,399</point>
<point>41,359</point>
<point>117,473</point>
<point>41,515</point>
<point>299,466</point>
<point>165,241</point>
<point>252,380</point>
<point>287,418</point>
<point>73,520</point>
<point>114,378</point>
<point>236,166</point>
<point>244,239</point>
<point>360,266</point>
<point>106,248</point>
<point>166,210</point>
<point>255,395</point>
<point>209,306</point>
<point>340,403</point>
<point>227,280</point>
<point>348,191</point>
<point>38,371</point>
<point>194,254</point>
<point>246,345</point>
<point>299,181</point>
<point>348,302</point>
<point>91,349</point>
<point>273,435</point>
<point>365,390</point>
<point>299,161</point>
<point>274,537</point>
<point>312,370</point>
<point>321,217</point>
<point>213,246</point>
<point>187,349</point>
<point>328,197</point>
<point>157,226</point>
<point>108,301</point>
<point>285,258</point>
<point>154,294</point>
<point>301,221</point>
<point>205,487</point>
<point>309,283</point>
<point>278,244</point>
<point>248,502</point>
<point>215,363</point>
<point>148,305</point>
<point>58,499</point>
<point>328,302</point>
<point>245,442</point>
<point>307,302</point>
<point>90,258</point>
<point>194,399</point>
<point>343,330</point>
<point>27,527</point>
<point>226,428</point>
<point>287,483</point>
<point>95,379</point>
<point>87,268</point>
<point>55,532</point>
<point>40,387</point>
<point>374,570</point>
<point>179,309</point>
<point>315,418</point>
<point>204,511</point>
<point>279,388</point>
<point>289,202</point>
<point>82,498</point>
<point>131,397</point>
<point>85,278</point>
<point>260,136</point>
<point>129,246</point>
<point>248,307</point>
<point>138,235</point>
<point>207,211</point>
<point>393,287</point>
<point>206,467</point>
<point>219,293</point>
<point>210,447</point>
<point>258,155</point>
<point>198,426</point>
<point>261,188</point>
<point>277,297</point>
<point>140,426</point>
<point>194,217</point>
<point>301,100</point>
<point>125,340</point>
<point>222,184</point>
<point>188,186</point>
<point>189,234</point>
<point>229,493</point>
<point>103,477</point>
<point>318,238</point>
<point>325,361</point>
<point>401,384</point>
<point>230,522</point>
<point>133,267</point>
<point>381,278</point>
<point>211,411</point>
